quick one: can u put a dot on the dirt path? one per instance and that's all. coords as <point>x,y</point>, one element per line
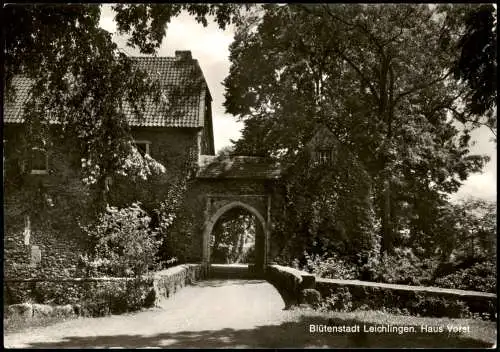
<point>218,314</point>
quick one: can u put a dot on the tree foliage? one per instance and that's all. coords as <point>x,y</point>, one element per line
<point>147,23</point>
<point>377,76</point>
<point>468,229</point>
<point>477,61</point>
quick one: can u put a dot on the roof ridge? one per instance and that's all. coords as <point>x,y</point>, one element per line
<point>152,57</point>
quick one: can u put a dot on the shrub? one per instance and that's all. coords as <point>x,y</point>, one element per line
<point>479,277</point>
<point>57,293</point>
<point>339,300</point>
<point>123,243</point>
<point>330,266</point>
<point>117,297</point>
<point>310,296</point>
<point>439,307</point>
<point>15,293</point>
<point>403,267</point>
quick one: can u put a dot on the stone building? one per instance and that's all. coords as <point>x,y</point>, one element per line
<point>176,139</point>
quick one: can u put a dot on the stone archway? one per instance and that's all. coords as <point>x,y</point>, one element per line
<point>225,183</point>
<point>219,205</point>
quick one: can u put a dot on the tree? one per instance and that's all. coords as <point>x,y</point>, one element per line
<point>477,61</point>
<point>467,229</point>
<point>366,72</point>
<point>466,244</point>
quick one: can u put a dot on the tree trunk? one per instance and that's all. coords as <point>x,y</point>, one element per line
<point>387,238</point>
<point>386,114</point>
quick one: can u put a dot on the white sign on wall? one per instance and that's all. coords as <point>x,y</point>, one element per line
<point>36,255</point>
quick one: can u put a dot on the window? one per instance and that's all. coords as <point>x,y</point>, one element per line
<point>324,157</point>
<point>108,182</point>
<point>38,163</point>
<point>143,147</point>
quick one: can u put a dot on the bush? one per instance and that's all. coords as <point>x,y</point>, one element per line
<point>15,293</point>
<point>479,277</point>
<point>57,293</point>
<point>403,267</point>
<point>93,298</point>
<point>123,243</point>
<point>439,307</point>
<point>339,300</point>
<point>330,266</point>
<point>114,297</point>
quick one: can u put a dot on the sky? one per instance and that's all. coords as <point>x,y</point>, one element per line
<point>210,46</point>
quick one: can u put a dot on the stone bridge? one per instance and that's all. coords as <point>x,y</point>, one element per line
<point>250,183</point>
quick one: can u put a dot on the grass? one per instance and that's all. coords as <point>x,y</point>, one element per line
<point>477,330</point>
<point>17,324</point>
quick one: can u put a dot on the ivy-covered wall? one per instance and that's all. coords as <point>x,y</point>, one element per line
<point>42,213</point>
<point>176,149</point>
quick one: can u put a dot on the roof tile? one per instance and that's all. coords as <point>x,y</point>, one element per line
<point>182,81</point>
<point>238,167</point>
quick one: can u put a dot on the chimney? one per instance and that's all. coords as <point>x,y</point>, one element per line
<point>183,55</point>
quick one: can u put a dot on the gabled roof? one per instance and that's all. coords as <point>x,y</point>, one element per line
<point>248,167</point>
<point>182,81</point>
<point>322,138</point>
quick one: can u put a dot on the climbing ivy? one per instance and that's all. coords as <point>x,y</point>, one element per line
<point>328,208</point>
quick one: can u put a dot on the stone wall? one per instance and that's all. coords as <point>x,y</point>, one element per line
<point>58,255</point>
<point>380,295</point>
<point>290,283</point>
<point>35,298</point>
<point>169,281</point>
<point>29,312</point>
<point>296,287</point>
<point>41,235</point>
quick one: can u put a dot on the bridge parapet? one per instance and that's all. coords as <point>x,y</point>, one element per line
<point>290,283</point>
<point>405,296</point>
<point>297,287</point>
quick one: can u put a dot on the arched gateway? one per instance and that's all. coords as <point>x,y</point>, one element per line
<point>248,183</point>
